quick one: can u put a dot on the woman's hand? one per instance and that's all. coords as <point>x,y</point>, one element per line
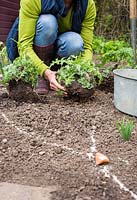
<point>51,76</point>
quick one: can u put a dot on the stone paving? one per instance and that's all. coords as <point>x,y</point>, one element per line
<point>9,191</point>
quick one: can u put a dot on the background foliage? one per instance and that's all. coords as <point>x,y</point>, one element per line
<point>112,18</point>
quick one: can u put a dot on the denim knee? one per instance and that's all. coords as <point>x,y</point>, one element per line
<point>46,30</point>
<point>69,43</point>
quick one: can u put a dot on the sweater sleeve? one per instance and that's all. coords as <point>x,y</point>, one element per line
<point>29,13</point>
<point>87,30</point>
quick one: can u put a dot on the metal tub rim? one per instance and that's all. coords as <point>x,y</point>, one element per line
<point>121,73</point>
<point>125,90</point>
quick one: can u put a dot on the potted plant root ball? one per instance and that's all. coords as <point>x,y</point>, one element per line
<point>20,78</point>
<point>79,77</point>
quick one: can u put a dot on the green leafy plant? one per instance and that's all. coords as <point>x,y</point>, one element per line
<point>74,69</point>
<point>22,68</point>
<point>125,128</point>
<point>113,51</point>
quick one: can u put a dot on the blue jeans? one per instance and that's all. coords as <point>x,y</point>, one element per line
<point>66,44</point>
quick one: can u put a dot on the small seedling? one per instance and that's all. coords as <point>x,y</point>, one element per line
<point>60,92</point>
<point>125,128</point>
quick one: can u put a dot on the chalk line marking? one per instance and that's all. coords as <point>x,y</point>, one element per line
<point>92,152</point>
<point>13,125</point>
<point>105,170</point>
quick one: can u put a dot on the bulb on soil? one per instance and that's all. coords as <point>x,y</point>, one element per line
<point>101,159</point>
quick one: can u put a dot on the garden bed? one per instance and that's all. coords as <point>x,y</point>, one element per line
<point>54,142</point>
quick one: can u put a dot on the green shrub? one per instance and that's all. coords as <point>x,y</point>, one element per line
<point>113,51</point>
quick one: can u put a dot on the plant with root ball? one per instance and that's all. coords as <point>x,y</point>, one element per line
<point>74,69</point>
<point>22,69</point>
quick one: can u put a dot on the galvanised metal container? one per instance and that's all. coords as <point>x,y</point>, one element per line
<point>125,90</point>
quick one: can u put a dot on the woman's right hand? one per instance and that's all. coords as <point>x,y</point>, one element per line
<point>51,76</point>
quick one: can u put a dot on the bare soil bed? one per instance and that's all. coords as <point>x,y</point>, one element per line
<point>54,142</point>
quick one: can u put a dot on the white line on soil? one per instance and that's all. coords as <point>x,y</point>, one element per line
<point>13,125</point>
<point>49,144</point>
<point>105,170</point>
<point>93,146</point>
<point>122,187</point>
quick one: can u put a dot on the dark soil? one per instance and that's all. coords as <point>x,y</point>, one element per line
<point>107,84</point>
<point>54,143</point>
<point>77,92</point>
<point>21,91</point>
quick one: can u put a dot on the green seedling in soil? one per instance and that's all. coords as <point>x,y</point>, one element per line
<point>22,68</point>
<point>125,128</point>
<point>60,92</point>
<point>74,69</point>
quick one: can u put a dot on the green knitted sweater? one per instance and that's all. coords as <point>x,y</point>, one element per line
<point>29,14</point>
